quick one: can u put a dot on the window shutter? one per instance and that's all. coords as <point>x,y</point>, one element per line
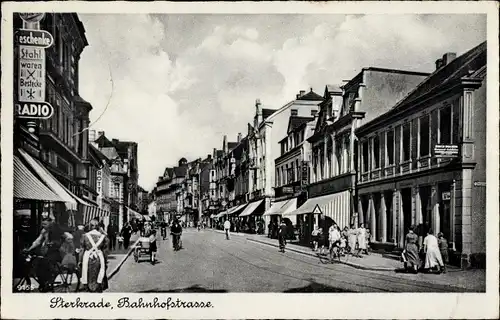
<point>414,142</point>
<point>382,150</point>
<point>397,145</point>
<point>434,134</point>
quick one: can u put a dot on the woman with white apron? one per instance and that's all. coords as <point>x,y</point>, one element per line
<point>93,259</point>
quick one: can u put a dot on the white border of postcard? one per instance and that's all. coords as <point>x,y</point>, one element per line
<point>243,305</point>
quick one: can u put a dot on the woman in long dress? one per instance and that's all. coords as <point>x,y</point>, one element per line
<point>361,238</point>
<point>410,253</point>
<point>93,258</point>
<point>433,258</point>
<point>352,236</point>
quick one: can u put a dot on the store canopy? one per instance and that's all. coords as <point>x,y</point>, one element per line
<point>49,180</point>
<point>335,206</point>
<point>28,186</point>
<point>213,215</point>
<point>134,213</point>
<point>147,218</point>
<point>221,214</point>
<point>274,210</point>
<point>251,208</point>
<point>93,212</point>
<point>236,209</point>
<point>288,207</point>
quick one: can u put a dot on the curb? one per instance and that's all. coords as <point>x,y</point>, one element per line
<point>354,265</point>
<point>117,268</point>
<point>232,233</point>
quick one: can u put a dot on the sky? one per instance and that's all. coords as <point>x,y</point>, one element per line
<point>176,84</point>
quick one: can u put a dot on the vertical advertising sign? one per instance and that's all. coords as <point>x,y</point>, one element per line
<point>99,182</point>
<point>31,43</point>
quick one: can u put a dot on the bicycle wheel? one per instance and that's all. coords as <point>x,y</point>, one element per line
<point>67,280</point>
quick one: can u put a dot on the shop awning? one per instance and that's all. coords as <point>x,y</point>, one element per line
<point>49,180</point>
<point>235,209</point>
<point>221,214</point>
<point>28,186</point>
<point>134,213</point>
<point>147,218</point>
<point>251,208</point>
<point>212,216</point>
<point>93,212</point>
<point>336,206</point>
<point>275,208</point>
<point>288,207</point>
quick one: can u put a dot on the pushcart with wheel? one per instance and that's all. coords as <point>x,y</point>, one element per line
<point>141,249</point>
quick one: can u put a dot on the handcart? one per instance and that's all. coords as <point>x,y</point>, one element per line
<point>141,249</point>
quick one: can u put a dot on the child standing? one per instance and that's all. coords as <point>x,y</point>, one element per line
<point>443,248</point>
<point>152,246</point>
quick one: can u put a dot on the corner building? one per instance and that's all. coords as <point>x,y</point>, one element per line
<point>405,180</point>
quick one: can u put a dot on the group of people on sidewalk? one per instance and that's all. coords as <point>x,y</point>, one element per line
<point>86,248</point>
<point>349,240</point>
<point>434,252</point>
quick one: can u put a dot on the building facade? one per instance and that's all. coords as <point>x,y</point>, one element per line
<point>423,162</point>
<point>332,189</point>
<point>269,127</point>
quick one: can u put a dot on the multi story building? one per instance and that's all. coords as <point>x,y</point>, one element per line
<point>143,200</point>
<point>332,190</point>
<point>164,194</point>
<point>57,148</point>
<point>269,127</point>
<point>423,161</point>
<point>292,169</point>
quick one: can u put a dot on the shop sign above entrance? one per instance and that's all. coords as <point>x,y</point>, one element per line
<point>446,151</point>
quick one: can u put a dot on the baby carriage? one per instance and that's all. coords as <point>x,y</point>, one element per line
<point>141,249</point>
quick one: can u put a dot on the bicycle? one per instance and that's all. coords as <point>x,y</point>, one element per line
<point>60,278</point>
<point>177,242</point>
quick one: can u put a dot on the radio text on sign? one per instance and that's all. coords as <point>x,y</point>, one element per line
<point>41,110</point>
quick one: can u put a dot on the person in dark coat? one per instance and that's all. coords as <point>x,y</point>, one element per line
<point>112,232</point>
<point>126,234</point>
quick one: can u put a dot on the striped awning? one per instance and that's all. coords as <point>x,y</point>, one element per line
<point>235,209</point>
<point>290,206</point>
<point>28,186</point>
<point>251,208</point>
<point>212,216</point>
<point>335,206</point>
<point>221,214</point>
<point>274,210</point>
<point>50,181</point>
<point>93,212</point>
<point>134,213</point>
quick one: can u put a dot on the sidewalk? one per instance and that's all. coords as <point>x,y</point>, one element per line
<point>118,257</point>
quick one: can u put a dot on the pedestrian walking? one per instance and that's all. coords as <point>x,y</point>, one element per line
<point>433,257</point>
<point>315,237</point>
<point>112,231</point>
<point>333,240</point>
<point>361,239</point>
<point>410,254</point>
<point>126,234</point>
<point>351,237</point>
<point>227,227</point>
<point>282,236</point>
<point>152,246</point>
<point>443,248</point>
<point>93,259</point>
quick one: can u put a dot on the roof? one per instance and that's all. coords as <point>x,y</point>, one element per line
<point>83,102</point>
<point>311,96</point>
<point>122,147</point>
<point>104,142</point>
<point>168,172</point>
<point>456,69</point>
<point>267,112</point>
<point>295,122</point>
<point>180,171</point>
<point>219,153</point>
<point>98,153</point>
<point>232,145</point>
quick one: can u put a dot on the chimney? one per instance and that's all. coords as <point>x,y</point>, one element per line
<point>297,96</point>
<point>302,92</point>
<point>239,137</point>
<point>449,57</point>
<point>258,109</point>
<point>225,145</point>
<point>209,157</point>
<point>439,63</point>
<point>215,153</point>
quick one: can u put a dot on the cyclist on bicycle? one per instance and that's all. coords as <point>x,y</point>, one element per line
<point>176,231</point>
<point>48,242</point>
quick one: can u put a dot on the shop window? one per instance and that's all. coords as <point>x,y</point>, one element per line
<point>424,148</point>
<point>376,152</point>
<point>389,147</point>
<point>405,142</point>
<point>445,125</point>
